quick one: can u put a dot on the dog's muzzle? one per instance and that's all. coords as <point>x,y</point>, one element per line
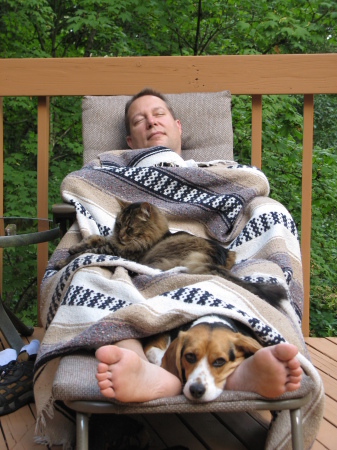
<point>197,390</point>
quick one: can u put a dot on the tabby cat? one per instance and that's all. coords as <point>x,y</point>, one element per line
<point>141,234</point>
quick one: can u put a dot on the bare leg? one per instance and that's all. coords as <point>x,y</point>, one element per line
<point>124,373</point>
<point>270,372</point>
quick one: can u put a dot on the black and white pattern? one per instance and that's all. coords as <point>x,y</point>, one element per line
<point>165,185</point>
<point>80,296</point>
<point>81,211</point>
<point>197,296</point>
<point>258,226</point>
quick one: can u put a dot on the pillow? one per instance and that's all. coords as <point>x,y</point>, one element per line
<point>205,117</point>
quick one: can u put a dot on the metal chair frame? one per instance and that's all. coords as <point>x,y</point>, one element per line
<point>85,408</point>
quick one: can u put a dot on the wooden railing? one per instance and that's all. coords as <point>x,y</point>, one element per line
<point>251,75</point>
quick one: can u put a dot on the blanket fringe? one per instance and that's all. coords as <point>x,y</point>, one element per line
<point>48,411</point>
<point>42,436</point>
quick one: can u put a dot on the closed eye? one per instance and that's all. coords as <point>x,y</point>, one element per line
<point>219,362</point>
<point>137,120</point>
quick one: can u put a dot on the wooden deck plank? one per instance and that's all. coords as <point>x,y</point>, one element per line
<point>326,347</point>
<point>327,435</point>
<point>18,428</point>
<point>263,417</point>
<point>211,432</point>
<point>329,384</point>
<point>248,430</point>
<point>318,446</point>
<point>165,423</point>
<point>324,363</point>
<point>155,441</point>
<point>330,410</point>
<point>2,440</point>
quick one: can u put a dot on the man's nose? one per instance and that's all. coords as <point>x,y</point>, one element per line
<point>151,121</point>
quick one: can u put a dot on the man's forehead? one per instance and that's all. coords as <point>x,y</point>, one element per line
<point>146,102</point>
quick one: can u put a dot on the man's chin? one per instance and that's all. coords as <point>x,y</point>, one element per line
<point>156,142</point>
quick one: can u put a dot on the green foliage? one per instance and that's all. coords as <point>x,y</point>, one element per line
<point>69,28</point>
<point>323,304</point>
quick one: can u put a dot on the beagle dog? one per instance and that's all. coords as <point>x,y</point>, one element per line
<point>204,355</point>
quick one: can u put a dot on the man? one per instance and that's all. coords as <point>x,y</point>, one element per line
<point>149,121</point>
<point>123,371</point>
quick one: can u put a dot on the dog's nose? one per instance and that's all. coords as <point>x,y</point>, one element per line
<point>197,390</point>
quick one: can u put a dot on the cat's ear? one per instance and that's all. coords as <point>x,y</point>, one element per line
<point>122,203</point>
<point>146,209</point>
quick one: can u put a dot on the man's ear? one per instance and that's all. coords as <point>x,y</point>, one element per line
<point>129,141</point>
<point>178,125</point>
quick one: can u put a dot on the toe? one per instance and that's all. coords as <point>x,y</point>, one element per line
<point>293,364</point>
<point>292,386</point>
<point>109,392</point>
<point>101,376</point>
<point>105,384</point>
<point>285,352</point>
<point>102,368</point>
<point>108,354</point>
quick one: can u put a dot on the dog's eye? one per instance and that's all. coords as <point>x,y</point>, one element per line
<point>190,358</point>
<point>219,362</point>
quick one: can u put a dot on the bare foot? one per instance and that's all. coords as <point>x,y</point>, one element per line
<point>270,372</point>
<point>123,375</point>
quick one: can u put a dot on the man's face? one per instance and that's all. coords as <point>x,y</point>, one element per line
<point>151,124</point>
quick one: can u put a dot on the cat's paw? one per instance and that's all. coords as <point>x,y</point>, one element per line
<point>77,248</point>
<point>60,264</point>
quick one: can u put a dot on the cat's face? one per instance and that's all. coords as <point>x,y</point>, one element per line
<point>139,225</point>
<point>130,223</point>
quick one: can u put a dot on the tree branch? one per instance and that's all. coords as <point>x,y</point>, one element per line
<point>197,33</point>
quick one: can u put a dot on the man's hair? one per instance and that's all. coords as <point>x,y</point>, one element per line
<point>145,91</point>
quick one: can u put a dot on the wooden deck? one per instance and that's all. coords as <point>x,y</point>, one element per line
<point>200,431</point>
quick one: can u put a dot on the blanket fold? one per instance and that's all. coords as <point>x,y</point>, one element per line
<point>101,299</point>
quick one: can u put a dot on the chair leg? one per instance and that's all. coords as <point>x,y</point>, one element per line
<point>296,428</point>
<point>82,431</point>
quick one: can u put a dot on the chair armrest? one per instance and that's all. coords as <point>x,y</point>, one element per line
<point>64,214</point>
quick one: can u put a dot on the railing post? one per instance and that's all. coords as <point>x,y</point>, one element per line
<point>42,188</point>
<point>1,182</point>
<point>308,126</point>
<point>256,130</point>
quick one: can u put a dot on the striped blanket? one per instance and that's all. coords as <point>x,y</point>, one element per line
<point>101,299</point>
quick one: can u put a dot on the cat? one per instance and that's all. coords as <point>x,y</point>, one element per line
<point>141,234</point>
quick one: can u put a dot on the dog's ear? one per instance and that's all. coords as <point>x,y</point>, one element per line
<point>179,349</point>
<point>171,358</point>
<point>247,344</point>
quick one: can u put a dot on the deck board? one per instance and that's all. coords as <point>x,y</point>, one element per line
<point>211,432</point>
<point>200,431</point>
<point>247,428</point>
<point>165,423</point>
